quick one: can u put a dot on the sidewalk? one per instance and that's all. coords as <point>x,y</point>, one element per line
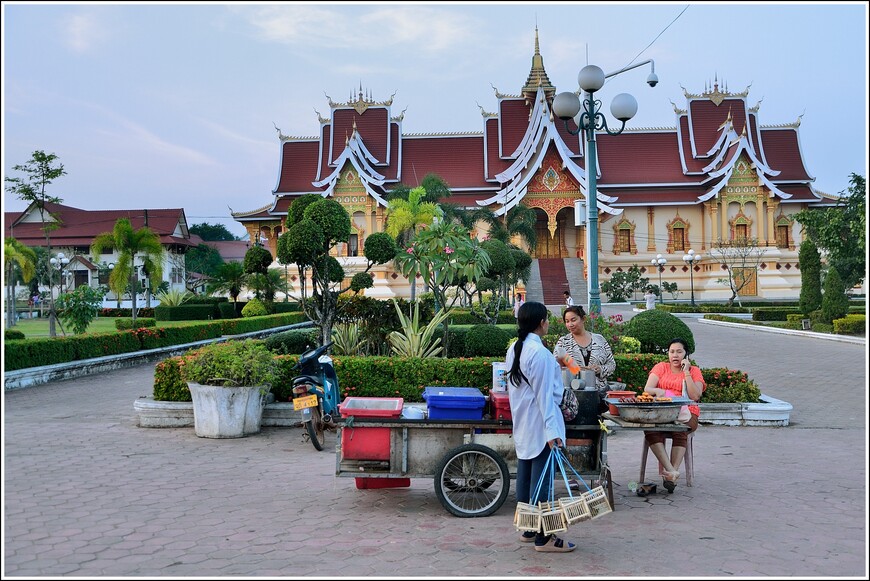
<point>86,493</point>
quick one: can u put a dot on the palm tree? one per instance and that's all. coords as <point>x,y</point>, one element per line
<point>269,284</point>
<point>14,252</point>
<point>229,278</point>
<point>405,217</point>
<point>519,221</point>
<point>128,243</point>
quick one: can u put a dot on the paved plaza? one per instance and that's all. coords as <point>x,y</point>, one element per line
<point>88,494</point>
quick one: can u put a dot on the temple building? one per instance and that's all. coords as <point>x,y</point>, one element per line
<point>717,174</point>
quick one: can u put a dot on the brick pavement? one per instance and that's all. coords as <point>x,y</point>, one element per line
<point>88,494</point>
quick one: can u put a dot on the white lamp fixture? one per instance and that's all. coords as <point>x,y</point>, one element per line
<point>691,259</point>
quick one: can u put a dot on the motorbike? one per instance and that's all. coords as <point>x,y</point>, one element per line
<point>315,393</point>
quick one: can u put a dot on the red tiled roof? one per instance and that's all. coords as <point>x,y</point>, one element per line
<point>79,227</point>
<point>707,117</point>
<point>298,167</point>
<point>458,160</point>
<point>495,165</point>
<point>640,158</point>
<point>655,196</point>
<point>514,120</point>
<point>783,153</point>
<point>372,126</point>
<point>799,193</point>
<point>692,165</point>
<point>391,173</point>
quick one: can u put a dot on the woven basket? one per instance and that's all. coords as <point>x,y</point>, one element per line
<point>576,509</point>
<point>553,518</point>
<point>596,499</point>
<point>527,517</point>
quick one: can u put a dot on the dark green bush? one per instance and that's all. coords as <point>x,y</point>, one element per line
<point>851,325</point>
<point>168,384</point>
<point>486,341</point>
<point>293,342</point>
<point>13,334</point>
<point>122,324</point>
<point>655,329</point>
<point>184,312</point>
<point>728,386</point>
<point>230,310</point>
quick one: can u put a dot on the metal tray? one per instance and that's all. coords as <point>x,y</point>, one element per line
<point>676,400</point>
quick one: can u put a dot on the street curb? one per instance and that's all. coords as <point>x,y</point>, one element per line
<point>810,334</point>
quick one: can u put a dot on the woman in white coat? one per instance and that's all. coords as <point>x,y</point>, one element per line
<point>535,391</point>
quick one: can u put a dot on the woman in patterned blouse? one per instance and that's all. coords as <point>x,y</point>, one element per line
<point>589,350</point>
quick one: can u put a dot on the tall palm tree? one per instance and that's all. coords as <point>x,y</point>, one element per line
<point>128,243</point>
<point>229,278</point>
<point>14,252</point>
<point>519,221</point>
<point>405,217</point>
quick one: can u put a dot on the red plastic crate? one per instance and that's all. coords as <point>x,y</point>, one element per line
<point>368,443</point>
<point>501,405</point>
<point>368,483</point>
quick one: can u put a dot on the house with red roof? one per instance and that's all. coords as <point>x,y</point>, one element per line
<point>75,230</point>
<point>718,174</point>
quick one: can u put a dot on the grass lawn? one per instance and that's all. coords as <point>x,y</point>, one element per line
<point>33,328</point>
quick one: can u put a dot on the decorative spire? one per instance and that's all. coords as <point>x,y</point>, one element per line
<point>538,75</point>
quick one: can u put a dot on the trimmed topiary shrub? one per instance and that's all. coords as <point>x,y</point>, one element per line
<point>486,341</point>
<point>293,342</point>
<point>122,324</point>
<point>13,334</point>
<point>655,329</point>
<point>254,308</point>
<point>835,303</point>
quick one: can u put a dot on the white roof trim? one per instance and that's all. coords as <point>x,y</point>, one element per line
<point>715,189</point>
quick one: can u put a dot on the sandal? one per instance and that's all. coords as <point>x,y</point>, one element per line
<point>555,545</point>
<point>527,537</point>
<point>670,483</point>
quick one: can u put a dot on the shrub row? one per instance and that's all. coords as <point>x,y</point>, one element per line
<point>122,324</point>
<point>21,354</point>
<point>408,377</point>
<point>141,312</point>
<point>851,325</point>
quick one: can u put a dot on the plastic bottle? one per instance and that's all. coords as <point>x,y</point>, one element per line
<point>571,364</point>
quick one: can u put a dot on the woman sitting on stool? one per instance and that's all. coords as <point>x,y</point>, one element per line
<point>666,380</point>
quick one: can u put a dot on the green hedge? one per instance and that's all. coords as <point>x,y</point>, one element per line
<point>460,316</point>
<point>21,354</point>
<point>407,377</point>
<point>774,313</point>
<point>185,312</point>
<point>851,325</point>
<point>122,324</point>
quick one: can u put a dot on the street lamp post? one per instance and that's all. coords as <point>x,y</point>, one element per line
<point>58,262</point>
<point>692,259</point>
<point>589,119</point>
<point>660,261</point>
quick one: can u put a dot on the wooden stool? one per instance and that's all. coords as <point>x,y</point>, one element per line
<point>687,460</point>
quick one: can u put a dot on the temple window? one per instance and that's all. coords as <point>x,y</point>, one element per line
<point>353,245</point>
<point>624,240</point>
<point>741,232</point>
<point>782,237</point>
<point>679,239</point>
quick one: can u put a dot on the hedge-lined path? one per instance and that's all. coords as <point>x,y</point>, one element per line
<point>89,494</point>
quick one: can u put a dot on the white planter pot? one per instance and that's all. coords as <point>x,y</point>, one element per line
<point>226,412</point>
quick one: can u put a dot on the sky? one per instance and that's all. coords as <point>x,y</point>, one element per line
<point>157,105</point>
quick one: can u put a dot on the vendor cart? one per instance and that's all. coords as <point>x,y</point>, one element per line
<point>471,461</point>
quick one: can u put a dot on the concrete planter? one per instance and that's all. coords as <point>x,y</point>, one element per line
<point>226,412</point>
<point>179,414</point>
<point>769,412</point>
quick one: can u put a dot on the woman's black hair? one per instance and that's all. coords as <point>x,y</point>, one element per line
<point>682,342</point>
<point>576,309</point>
<point>529,316</point>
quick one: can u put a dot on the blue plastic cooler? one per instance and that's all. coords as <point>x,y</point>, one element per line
<point>454,403</point>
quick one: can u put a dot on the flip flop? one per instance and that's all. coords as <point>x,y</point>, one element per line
<point>528,537</point>
<point>556,545</point>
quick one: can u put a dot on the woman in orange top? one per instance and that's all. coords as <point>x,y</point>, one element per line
<point>666,380</point>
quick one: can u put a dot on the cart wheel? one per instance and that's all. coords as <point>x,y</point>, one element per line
<point>472,480</point>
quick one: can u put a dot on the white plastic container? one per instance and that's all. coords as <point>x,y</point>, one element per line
<point>499,376</point>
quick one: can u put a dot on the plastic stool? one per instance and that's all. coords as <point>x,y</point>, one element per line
<point>687,460</point>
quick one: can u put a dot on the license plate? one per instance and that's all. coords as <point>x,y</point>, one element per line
<point>309,401</point>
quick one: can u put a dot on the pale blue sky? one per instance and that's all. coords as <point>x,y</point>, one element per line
<point>167,105</point>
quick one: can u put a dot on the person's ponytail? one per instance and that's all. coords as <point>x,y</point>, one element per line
<point>529,316</point>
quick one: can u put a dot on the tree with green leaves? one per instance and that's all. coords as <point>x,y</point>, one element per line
<point>129,243</point>
<point>405,216</point>
<point>740,259</point>
<point>445,256</point>
<point>811,277</point>
<point>81,306</point>
<point>211,232</point>
<point>835,303</point>
<point>841,231</point>
<point>18,260</point>
<point>39,173</point>
<point>496,278</point>
<point>311,233</point>
<point>230,278</point>
<point>519,221</point>
<point>202,259</point>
